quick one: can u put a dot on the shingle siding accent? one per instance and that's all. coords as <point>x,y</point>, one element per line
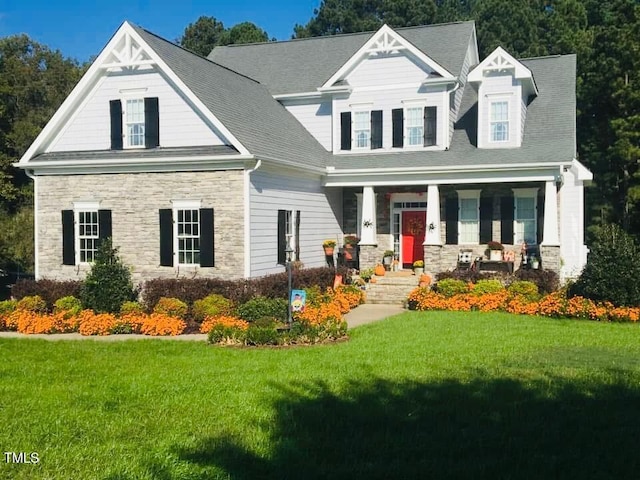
<point>134,200</point>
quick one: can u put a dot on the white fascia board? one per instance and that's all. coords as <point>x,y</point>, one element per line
<point>76,96</point>
<point>297,96</point>
<point>360,54</point>
<point>520,71</point>
<point>583,172</point>
<point>464,168</point>
<point>94,74</point>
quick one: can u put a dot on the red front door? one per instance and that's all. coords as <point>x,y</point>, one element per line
<point>413,228</point>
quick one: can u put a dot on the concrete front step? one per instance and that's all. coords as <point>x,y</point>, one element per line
<point>391,289</point>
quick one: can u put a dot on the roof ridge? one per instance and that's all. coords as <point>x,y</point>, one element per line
<point>350,34</point>
<point>544,57</point>
<point>195,54</point>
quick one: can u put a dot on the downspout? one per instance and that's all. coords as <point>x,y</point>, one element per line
<point>35,222</point>
<point>247,214</point>
<point>456,86</point>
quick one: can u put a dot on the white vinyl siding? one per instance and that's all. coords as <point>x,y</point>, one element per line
<point>320,217</point>
<point>315,117</point>
<point>386,70</point>
<point>180,125</point>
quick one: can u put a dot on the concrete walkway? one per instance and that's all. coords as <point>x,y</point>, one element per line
<point>371,312</point>
<point>361,315</point>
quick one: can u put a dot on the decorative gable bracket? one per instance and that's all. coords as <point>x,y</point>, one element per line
<point>127,54</point>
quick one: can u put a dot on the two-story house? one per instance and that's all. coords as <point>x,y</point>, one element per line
<point>402,137</point>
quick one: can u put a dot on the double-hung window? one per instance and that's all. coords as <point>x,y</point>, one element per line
<point>525,216</point>
<point>186,225</point>
<point>288,235</point>
<point>186,235</point>
<point>499,121</point>
<point>414,126</point>
<point>469,216</point>
<point>83,228</point>
<point>134,123</point>
<point>362,129</point>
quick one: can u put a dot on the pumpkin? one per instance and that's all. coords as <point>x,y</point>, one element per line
<point>424,278</point>
<point>379,270</point>
<point>373,280</point>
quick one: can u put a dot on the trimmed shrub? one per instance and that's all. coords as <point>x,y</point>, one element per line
<point>211,306</point>
<point>69,305</point>
<point>469,276</point>
<point>450,287</point>
<point>49,290</point>
<point>7,307</point>
<point>261,335</point>
<point>108,284</point>
<point>261,307</point>
<point>32,303</point>
<point>171,307</point>
<point>546,280</point>
<point>223,329</point>
<point>528,290</point>
<point>131,307</point>
<point>612,272</point>
<point>487,286</point>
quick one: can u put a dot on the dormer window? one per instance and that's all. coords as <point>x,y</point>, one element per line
<point>499,121</point>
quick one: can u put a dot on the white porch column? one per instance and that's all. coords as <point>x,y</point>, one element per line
<point>368,218</point>
<point>432,233</point>
<point>550,234</point>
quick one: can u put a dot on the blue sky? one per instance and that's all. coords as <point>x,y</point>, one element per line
<point>80,29</point>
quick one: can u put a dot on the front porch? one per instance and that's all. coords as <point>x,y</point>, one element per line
<point>435,222</point>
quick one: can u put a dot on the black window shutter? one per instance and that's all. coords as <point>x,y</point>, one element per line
<point>451,217</point>
<point>282,237</point>
<point>397,120</point>
<point>68,238</point>
<point>115,108</point>
<point>104,224</point>
<point>345,131</point>
<point>430,116</point>
<point>297,234</point>
<point>506,220</point>
<point>151,123</point>
<point>376,129</point>
<point>166,237</point>
<point>540,218</point>
<point>206,238</point>
<point>486,219</point>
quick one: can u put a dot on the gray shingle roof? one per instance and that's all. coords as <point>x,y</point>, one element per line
<point>303,65</point>
<point>549,134</point>
<point>243,106</point>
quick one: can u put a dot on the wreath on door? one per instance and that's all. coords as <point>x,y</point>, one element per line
<point>416,227</point>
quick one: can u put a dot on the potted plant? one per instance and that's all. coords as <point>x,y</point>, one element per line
<point>535,263</point>
<point>366,274</point>
<point>328,246</point>
<point>418,267</point>
<point>387,257</point>
<point>350,242</point>
<point>495,250</point>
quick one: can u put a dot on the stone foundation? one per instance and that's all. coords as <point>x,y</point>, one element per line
<point>370,256</point>
<point>550,257</point>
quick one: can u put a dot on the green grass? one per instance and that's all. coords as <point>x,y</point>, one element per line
<point>423,395</point>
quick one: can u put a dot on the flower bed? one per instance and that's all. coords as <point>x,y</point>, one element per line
<point>552,305</point>
<point>322,319</point>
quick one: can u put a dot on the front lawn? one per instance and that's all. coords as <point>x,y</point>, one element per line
<point>424,395</point>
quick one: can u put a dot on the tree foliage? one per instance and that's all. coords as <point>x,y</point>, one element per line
<point>613,269</point>
<point>207,32</point>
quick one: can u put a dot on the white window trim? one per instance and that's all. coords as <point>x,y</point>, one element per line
<point>183,205</point>
<point>405,113</point>
<point>354,139</point>
<point>525,193</point>
<point>509,122</point>
<point>133,94</point>
<point>83,206</point>
<point>468,194</point>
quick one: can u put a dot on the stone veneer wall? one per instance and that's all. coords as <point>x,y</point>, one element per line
<point>134,200</point>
